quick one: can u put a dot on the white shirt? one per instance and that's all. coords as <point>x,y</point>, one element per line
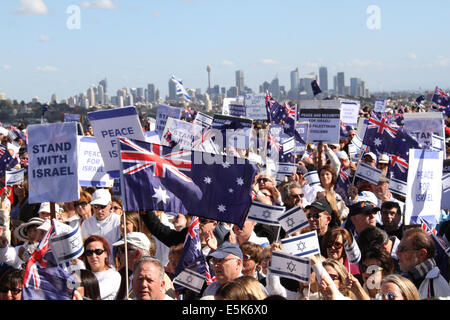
<point>109,283</point>
<point>108,228</point>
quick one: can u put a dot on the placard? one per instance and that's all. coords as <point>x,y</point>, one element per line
<point>350,112</point>
<point>162,114</point>
<point>324,124</point>
<point>380,106</point>
<point>255,105</point>
<point>422,125</point>
<point>91,169</point>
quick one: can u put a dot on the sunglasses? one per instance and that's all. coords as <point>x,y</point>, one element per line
<point>13,290</point>
<point>263,180</point>
<point>373,268</point>
<point>300,195</point>
<point>385,296</point>
<point>82,204</point>
<point>313,215</point>
<point>98,252</point>
<point>204,221</point>
<point>99,206</point>
<point>336,245</point>
<point>115,208</point>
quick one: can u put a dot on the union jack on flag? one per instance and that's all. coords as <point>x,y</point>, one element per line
<point>291,110</point>
<point>381,125</point>
<point>440,97</point>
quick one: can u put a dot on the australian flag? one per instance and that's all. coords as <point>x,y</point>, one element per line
<point>191,182</point>
<point>440,97</point>
<point>5,160</point>
<point>276,112</point>
<point>342,184</point>
<point>315,87</point>
<point>189,114</point>
<point>192,256</point>
<point>420,99</point>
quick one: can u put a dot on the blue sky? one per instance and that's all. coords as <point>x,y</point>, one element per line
<point>136,42</point>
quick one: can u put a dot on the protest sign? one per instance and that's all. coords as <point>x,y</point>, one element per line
<point>203,120</point>
<point>91,169</point>
<point>235,131</point>
<point>301,137</point>
<point>445,199</point>
<point>162,114</point>
<point>255,106</point>
<point>226,104</point>
<point>422,125</point>
<point>108,125</point>
<point>181,134</point>
<point>380,106</point>
<point>69,117</point>
<point>424,186</point>
<point>237,110</point>
<point>324,124</point>
<point>350,112</point>
<point>53,160</point>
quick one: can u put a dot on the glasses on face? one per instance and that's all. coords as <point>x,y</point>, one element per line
<point>115,208</point>
<point>334,277</point>
<point>122,249</point>
<point>385,296</point>
<point>99,206</point>
<point>98,252</point>
<point>259,180</point>
<point>80,204</point>
<point>370,269</point>
<point>314,215</point>
<point>13,290</point>
<point>335,245</point>
<point>204,221</point>
<point>299,195</point>
<point>214,261</point>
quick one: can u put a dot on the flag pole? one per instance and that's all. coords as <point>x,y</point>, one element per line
<point>359,159</point>
<point>126,254</point>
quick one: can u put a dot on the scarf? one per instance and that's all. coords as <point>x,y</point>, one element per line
<point>417,273</point>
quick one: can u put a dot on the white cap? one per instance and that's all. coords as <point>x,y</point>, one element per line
<point>368,196</point>
<point>342,155</point>
<point>102,197</point>
<point>384,158</point>
<point>45,207</point>
<point>136,239</point>
<point>372,155</point>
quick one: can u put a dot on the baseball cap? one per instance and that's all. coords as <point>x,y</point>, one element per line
<point>136,239</point>
<point>225,249</point>
<point>342,155</point>
<point>321,204</point>
<point>384,158</point>
<point>102,197</point>
<point>372,155</point>
<point>335,145</point>
<point>362,207</point>
<point>45,207</point>
<point>367,196</point>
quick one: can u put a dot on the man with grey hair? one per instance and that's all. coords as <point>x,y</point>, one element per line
<point>148,280</point>
<point>266,180</point>
<point>292,195</point>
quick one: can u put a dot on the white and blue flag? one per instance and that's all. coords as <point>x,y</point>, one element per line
<point>180,88</point>
<point>67,244</point>
<point>312,178</point>
<point>288,266</point>
<point>190,279</point>
<point>293,220</point>
<point>398,186</point>
<point>352,251</point>
<point>368,173</point>
<point>264,213</point>
<point>14,177</point>
<point>304,245</point>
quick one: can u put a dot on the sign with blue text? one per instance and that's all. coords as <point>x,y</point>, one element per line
<point>91,169</point>
<point>324,124</point>
<point>255,106</point>
<point>162,114</point>
<point>108,126</point>
<point>53,161</point>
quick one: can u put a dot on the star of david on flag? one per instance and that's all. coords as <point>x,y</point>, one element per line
<point>187,181</point>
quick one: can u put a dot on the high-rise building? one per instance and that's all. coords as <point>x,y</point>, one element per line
<point>295,80</point>
<point>100,95</point>
<point>274,88</point>
<point>323,79</point>
<point>140,95</point>
<point>233,92</point>
<point>151,92</point>
<point>240,81</point>
<point>104,83</point>
<point>264,87</point>
<point>340,83</point>
<point>355,87</point>
<point>91,96</point>
<point>172,90</point>
<point>54,99</point>
<point>305,83</point>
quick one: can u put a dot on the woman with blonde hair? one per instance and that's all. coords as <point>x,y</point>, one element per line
<point>253,287</point>
<point>396,287</point>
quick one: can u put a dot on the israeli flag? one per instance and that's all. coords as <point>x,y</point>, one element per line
<point>304,245</point>
<point>285,169</point>
<point>68,242</point>
<point>436,143</point>
<point>180,88</point>
<point>14,177</point>
<point>398,186</point>
<point>288,145</point>
<point>357,141</point>
<point>190,279</point>
<point>368,173</point>
<point>312,178</point>
<point>293,220</point>
<point>288,266</point>
<point>203,120</point>
<point>264,213</point>
<point>353,252</point>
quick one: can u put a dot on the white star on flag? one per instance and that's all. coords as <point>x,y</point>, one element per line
<point>160,194</point>
<point>230,190</point>
<point>225,165</point>
<point>377,142</point>
<point>207,180</point>
<point>221,208</point>
<point>240,181</point>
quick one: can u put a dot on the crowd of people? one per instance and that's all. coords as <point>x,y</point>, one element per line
<point>398,261</point>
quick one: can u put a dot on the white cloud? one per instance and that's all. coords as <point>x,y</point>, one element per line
<point>363,63</point>
<point>227,63</point>
<point>268,62</point>
<point>47,69</point>
<point>412,56</point>
<point>100,4</point>
<point>31,8</point>
<point>44,38</point>
<point>7,67</point>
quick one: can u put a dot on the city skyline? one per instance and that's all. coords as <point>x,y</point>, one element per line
<point>156,40</point>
